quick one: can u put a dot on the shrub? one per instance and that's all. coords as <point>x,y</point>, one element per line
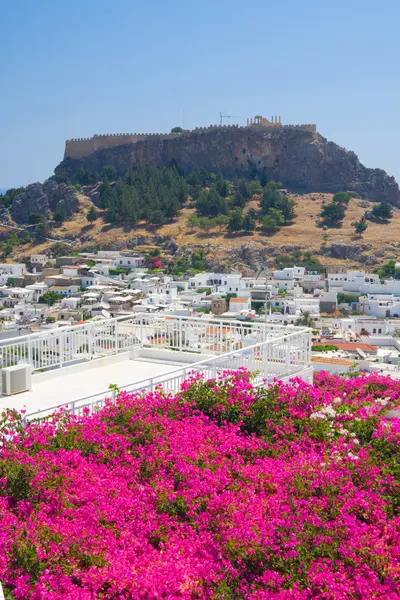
<point>333,213</point>
<point>221,491</point>
<point>324,348</point>
<point>382,211</point>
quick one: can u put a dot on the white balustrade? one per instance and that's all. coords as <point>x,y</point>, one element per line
<point>280,357</point>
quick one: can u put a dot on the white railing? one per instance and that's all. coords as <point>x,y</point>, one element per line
<point>282,357</point>
<point>64,346</point>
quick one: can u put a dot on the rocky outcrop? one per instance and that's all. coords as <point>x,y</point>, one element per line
<point>303,160</point>
<point>44,199</point>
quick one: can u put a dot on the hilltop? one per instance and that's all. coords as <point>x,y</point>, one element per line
<point>240,194</point>
<point>298,156</point>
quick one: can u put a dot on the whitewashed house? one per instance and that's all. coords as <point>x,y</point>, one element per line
<point>129,261</point>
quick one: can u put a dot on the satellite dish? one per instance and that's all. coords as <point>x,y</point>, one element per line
<point>106,314</point>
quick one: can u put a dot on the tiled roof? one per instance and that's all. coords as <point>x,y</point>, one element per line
<point>352,346</point>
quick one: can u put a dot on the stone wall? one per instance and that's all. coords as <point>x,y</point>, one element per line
<point>81,147</point>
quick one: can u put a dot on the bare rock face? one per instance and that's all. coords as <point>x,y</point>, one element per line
<point>347,251</point>
<point>44,199</point>
<point>303,160</point>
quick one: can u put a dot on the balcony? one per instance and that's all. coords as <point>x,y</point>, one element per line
<point>74,366</point>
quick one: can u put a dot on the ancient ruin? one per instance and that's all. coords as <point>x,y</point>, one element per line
<point>81,147</point>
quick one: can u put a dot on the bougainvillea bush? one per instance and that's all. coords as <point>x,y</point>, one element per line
<point>223,491</point>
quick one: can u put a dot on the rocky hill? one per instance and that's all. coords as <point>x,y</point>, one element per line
<point>303,160</point>
<point>43,199</point>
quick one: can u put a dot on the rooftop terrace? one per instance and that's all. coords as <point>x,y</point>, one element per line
<point>74,366</point>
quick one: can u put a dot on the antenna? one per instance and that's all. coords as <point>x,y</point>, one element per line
<point>221,116</point>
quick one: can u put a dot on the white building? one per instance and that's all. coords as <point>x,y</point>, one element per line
<point>360,282</point>
<point>17,295</point>
<point>238,304</point>
<point>129,261</point>
<point>380,305</point>
<point>364,326</point>
<point>38,289</point>
<point>39,260</point>
<point>10,271</point>
<point>89,280</point>
<point>65,290</point>
<point>296,306</point>
<point>281,284</point>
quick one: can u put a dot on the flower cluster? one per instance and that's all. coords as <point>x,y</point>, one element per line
<point>223,491</point>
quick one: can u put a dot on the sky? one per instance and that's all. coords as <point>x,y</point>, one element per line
<point>72,69</point>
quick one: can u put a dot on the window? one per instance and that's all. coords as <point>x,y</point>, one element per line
<point>374,330</point>
<point>379,330</point>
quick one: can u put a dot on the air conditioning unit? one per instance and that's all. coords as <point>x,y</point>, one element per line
<point>16,379</point>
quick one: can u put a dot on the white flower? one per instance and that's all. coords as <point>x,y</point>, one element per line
<point>381,401</point>
<point>337,400</point>
<point>353,456</point>
<point>318,415</point>
<point>329,410</point>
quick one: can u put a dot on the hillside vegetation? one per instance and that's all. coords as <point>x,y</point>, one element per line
<point>203,208</point>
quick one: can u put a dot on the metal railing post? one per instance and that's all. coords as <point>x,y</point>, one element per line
<point>116,338</point>
<point>61,349</point>
<point>30,359</point>
<point>89,338</point>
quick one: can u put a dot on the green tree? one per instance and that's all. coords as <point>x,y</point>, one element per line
<point>206,224</point>
<point>341,198</point>
<point>273,220</point>
<point>193,221</point>
<point>157,218</point>
<point>35,218</point>
<point>210,204</point>
<point>236,220</point>
<point>110,172</point>
<point>221,221</point>
<point>388,270</point>
<point>306,319</point>
<point>176,130</point>
<point>60,249</point>
<point>92,215</point>
<point>273,198</point>
<point>343,298</point>
<point>249,223</point>
<point>255,187</point>
<point>382,211</point>
<point>333,213</point>
<point>49,298</point>
<point>361,225</point>
<point>59,216</point>
<point>42,230</point>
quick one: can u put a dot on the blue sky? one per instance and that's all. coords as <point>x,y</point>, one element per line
<point>72,69</point>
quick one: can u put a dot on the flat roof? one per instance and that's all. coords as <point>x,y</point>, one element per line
<point>69,384</point>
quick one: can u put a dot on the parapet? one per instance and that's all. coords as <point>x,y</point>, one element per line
<point>308,127</point>
<point>81,147</point>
